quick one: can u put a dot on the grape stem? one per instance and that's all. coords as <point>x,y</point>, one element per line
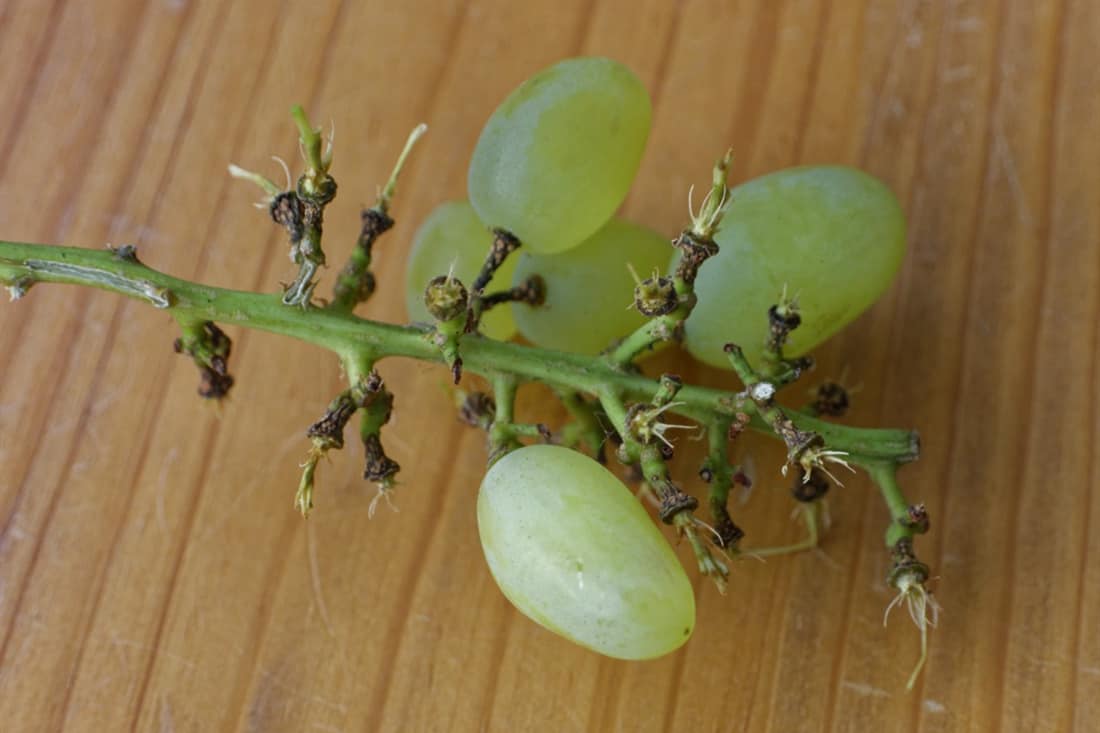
<point>501,438</point>
<point>907,520</point>
<point>358,340</point>
<point>355,283</point>
<point>302,211</point>
<point>810,512</point>
<point>504,432</point>
<point>783,318</point>
<point>504,243</point>
<point>531,291</point>
<point>585,427</point>
<point>718,473</point>
<point>697,245</point>
<point>641,445</point>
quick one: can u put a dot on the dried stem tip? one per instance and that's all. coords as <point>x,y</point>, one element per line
<point>476,409</point>
<point>810,487</point>
<point>209,347</point>
<point>656,296</point>
<point>910,577</point>
<point>831,399</point>
<point>380,468</point>
<point>504,244</point>
<point>328,432</point>
<point>694,251</point>
<point>446,298</point>
<point>531,291</point>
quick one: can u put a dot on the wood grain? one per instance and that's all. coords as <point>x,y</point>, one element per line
<point>153,575</point>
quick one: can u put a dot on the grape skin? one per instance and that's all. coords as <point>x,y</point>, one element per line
<point>556,159</point>
<point>833,236</point>
<point>574,550</point>
<point>453,235</point>
<point>589,289</point>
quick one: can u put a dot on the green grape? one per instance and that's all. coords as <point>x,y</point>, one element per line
<point>452,235</point>
<point>557,157</point>
<point>574,550</point>
<point>832,236</point>
<point>589,289</point>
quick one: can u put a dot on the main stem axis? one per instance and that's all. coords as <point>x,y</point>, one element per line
<point>352,338</point>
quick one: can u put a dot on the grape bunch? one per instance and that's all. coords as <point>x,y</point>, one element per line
<point>760,274</point>
<point>566,541</point>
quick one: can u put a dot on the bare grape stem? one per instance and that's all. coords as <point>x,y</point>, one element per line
<point>362,340</point>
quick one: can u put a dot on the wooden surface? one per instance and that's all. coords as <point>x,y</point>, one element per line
<point>153,575</point>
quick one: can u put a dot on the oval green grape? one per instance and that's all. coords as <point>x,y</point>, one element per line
<point>557,157</point>
<point>589,289</point>
<point>832,236</point>
<point>453,235</point>
<point>574,550</point>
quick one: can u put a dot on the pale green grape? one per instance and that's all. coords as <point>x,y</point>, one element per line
<point>572,548</point>
<point>589,289</point>
<point>834,236</point>
<point>452,235</point>
<point>557,157</point>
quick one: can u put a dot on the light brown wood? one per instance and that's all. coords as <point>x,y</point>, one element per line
<point>153,575</point>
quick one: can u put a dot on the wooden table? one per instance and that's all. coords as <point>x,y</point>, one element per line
<point>153,574</point>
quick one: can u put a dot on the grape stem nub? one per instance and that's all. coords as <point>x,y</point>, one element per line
<point>783,317</point>
<point>209,347</point>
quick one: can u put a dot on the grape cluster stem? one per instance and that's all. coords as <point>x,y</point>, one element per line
<point>353,338</point>
<point>696,245</point>
<point>605,395</point>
